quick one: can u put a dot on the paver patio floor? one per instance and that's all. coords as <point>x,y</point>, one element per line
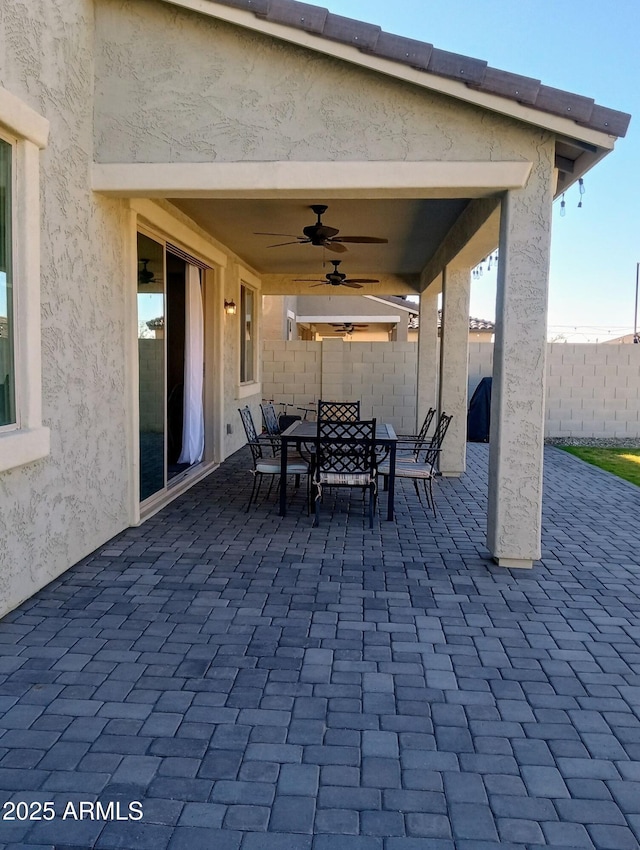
<point>258,684</point>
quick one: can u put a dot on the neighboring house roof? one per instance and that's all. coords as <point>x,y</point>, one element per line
<point>478,325</point>
<point>414,318</point>
<point>475,73</point>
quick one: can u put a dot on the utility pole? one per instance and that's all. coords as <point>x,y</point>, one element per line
<point>636,336</point>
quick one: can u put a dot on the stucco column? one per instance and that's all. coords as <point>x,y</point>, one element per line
<point>454,366</point>
<point>427,353</point>
<point>514,516</point>
<point>400,331</point>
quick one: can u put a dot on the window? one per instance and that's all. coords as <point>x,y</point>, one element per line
<point>247,335</point>
<point>23,133</point>
<point>7,370</point>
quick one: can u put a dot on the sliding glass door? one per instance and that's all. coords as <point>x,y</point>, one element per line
<point>170,360</point>
<point>151,365</point>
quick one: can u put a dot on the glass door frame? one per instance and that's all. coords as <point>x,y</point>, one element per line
<point>165,228</point>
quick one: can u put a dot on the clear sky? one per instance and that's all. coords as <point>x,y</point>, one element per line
<point>586,47</point>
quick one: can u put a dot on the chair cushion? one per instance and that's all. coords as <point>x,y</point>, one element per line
<point>272,467</point>
<point>350,479</point>
<point>406,468</point>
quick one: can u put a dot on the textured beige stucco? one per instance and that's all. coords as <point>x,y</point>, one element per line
<point>454,354</point>
<point>514,519</point>
<point>214,92</point>
<point>56,510</point>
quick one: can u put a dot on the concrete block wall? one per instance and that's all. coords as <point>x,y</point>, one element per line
<point>592,390</point>
<point>151,362</point>
<point>381,374</point>
<point>480,363</point>
<point>292,371</point>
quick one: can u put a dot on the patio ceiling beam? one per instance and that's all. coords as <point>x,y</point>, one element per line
<point>350,318</point>
<point>360,180</point>
<point>474,235</point>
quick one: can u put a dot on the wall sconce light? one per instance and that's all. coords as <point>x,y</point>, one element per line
<point>230,308</point>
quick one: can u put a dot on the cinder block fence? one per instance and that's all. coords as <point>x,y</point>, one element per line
<point>592,390</point>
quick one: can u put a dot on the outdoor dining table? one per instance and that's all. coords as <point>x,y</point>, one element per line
<point>307,431</point>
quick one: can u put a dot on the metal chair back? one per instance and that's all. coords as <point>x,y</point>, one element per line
<point>270,419</point>
<point>345,457</point>
<point>339,411</point>
<point>430,453</point>
<point>252,435</point>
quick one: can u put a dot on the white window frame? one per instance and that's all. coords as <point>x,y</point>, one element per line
<point>27,131</point>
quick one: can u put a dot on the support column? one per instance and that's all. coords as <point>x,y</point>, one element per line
<point>427,389</point>
<point>514,517</point>
<point>454,366</point>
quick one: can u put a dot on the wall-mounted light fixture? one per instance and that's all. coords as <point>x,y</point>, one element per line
<point>230,308</point>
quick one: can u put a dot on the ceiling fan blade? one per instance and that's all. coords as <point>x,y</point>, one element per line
<point>292,235</point>
<point>334,246</point>
<point>280,244</point>
<point>308,280</point>
<point>362,239</point>
<point>352,285</point>
<point>363,280</point>
<point>313,285</point>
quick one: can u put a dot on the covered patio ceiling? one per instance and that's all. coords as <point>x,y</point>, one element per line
<point>414,229</point>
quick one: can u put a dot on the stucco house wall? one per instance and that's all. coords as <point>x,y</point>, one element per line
<point>58,509</point>
<point>214,92</point>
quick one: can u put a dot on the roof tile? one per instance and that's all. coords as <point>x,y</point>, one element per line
<point>523,89</point>
<point>560,102</point>
<point>351,32</point>
<point>455,65</point>
<point>301,15</point>
<point>405,50</point>
<point>608,120</point>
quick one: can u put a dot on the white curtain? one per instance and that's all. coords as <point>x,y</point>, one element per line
<point>193,425</point>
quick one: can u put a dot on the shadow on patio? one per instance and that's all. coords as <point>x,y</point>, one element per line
<point>260,684</point>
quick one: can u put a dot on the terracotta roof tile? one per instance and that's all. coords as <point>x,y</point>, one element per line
<point>423,56</point>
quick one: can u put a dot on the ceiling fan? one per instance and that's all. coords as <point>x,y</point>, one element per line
<point>322,235</point>
<point>145,275</point>
<point>347,328</point>
<point>336,278</point>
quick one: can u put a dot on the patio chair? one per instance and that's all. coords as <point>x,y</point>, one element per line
<point>268,466</point>
<point>421,436</point>
<point>423,464</point>
<point>409,445</point>
<point>339,411</point>
<point>345,457</point>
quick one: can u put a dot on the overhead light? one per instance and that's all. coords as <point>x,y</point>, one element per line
<point>230,308</point>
